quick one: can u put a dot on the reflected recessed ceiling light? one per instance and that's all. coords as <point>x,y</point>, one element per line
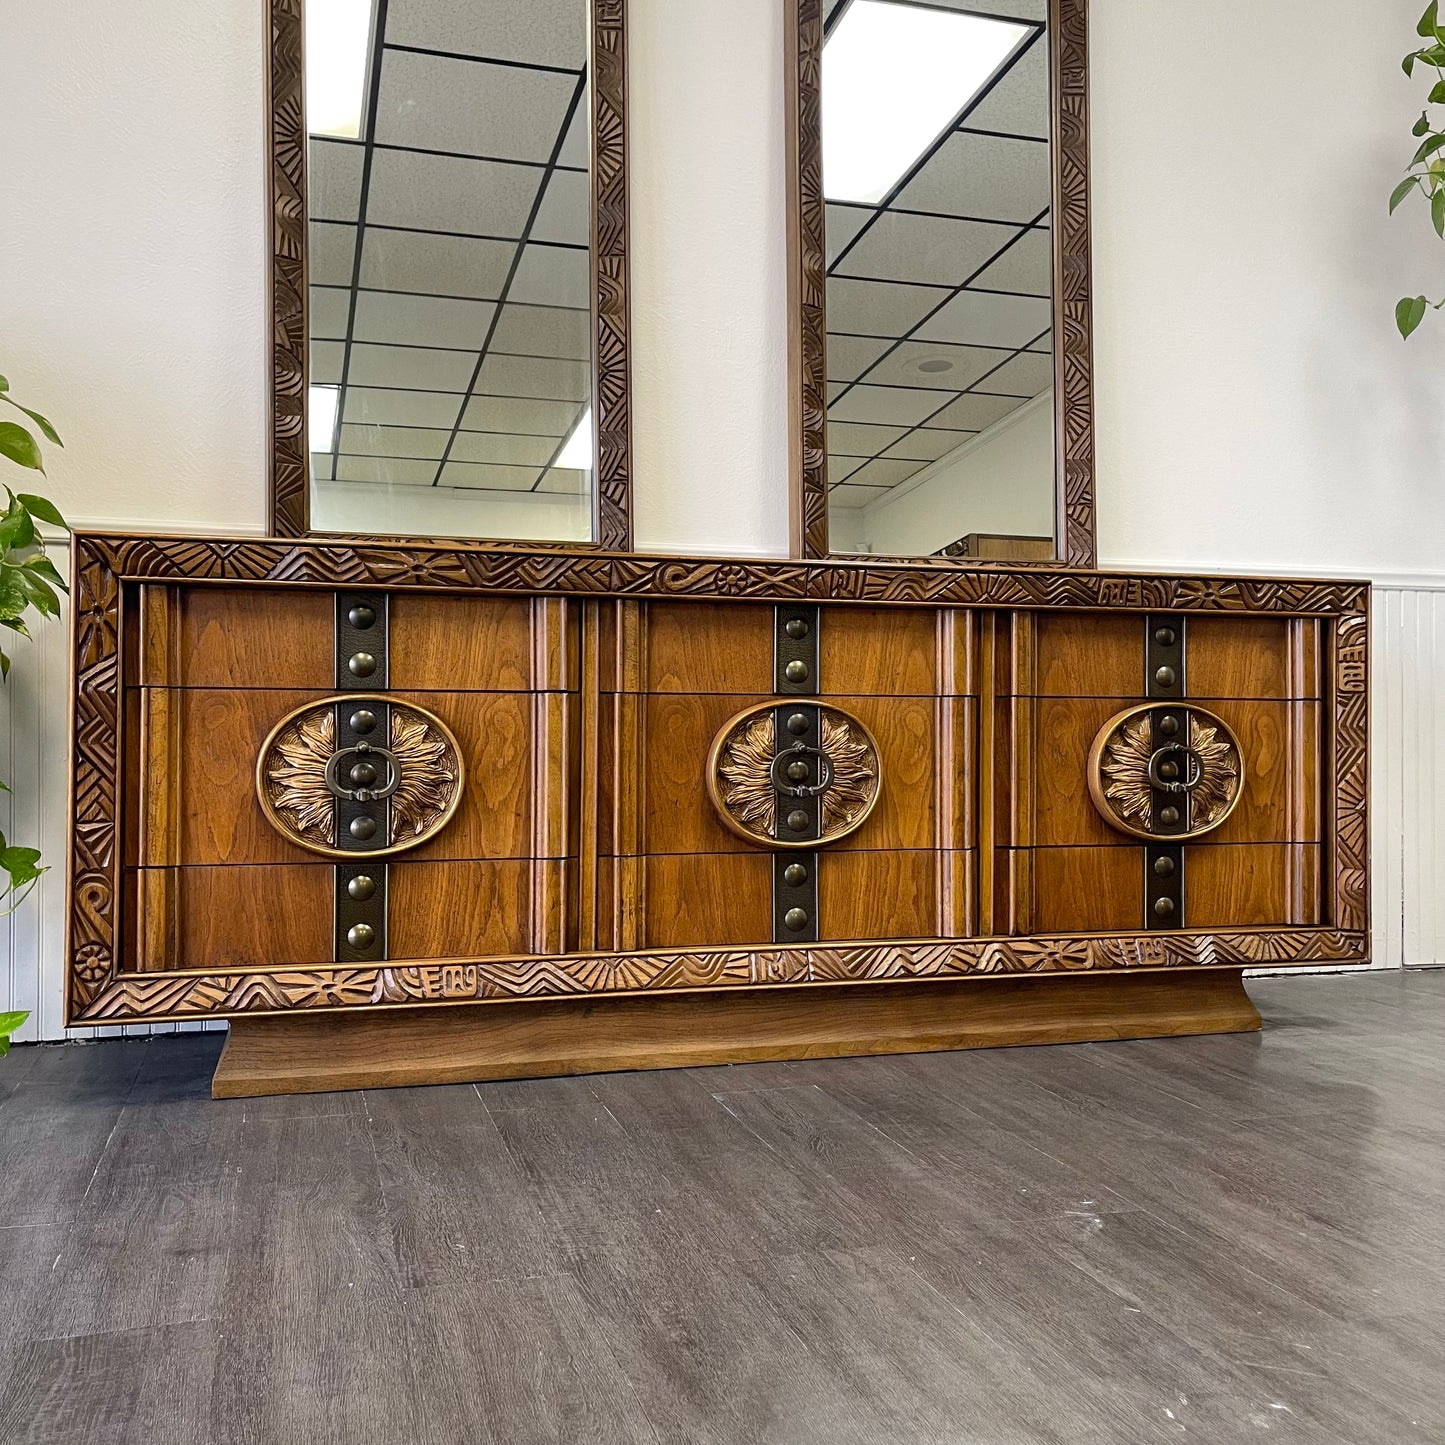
<point>576,456</point>
<point>893,77</point>
<point>935,364</point>
<point>337,36</point>
<point>321,403</point>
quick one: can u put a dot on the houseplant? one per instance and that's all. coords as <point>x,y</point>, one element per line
<point>1426,171</point>
<point>29,582</point>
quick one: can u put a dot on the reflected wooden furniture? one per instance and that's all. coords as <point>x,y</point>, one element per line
<point>997,547</point>
<point>593,903</point>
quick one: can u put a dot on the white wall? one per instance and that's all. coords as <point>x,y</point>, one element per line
<point>1001,481</point>
<point>1245,275</point>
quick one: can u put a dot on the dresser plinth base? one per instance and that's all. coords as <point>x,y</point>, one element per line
<point>471,1043</point>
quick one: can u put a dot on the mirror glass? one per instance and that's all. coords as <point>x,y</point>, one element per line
<point>451,293</point>
<point>938,181</point>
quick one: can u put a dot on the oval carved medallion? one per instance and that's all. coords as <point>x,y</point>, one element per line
<point>1165,771</point>
<point>405,771</point>
<point>750,777</point>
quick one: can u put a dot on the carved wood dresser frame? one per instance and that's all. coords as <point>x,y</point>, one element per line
<point>101,990</point>
<point>289,490</point>
<point>1073,310</point>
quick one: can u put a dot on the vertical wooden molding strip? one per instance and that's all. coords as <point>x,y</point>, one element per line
<point>290,490</point>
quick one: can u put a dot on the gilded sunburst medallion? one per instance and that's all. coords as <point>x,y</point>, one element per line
<point>1136,770</point>
<point>845,772</point>
<point>302,776</point>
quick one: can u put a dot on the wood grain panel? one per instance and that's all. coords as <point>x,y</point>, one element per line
<point>1085,890</point>
<point>1079,654</point>
<point>1239,657</point>
<point>1244,885</point>
<point>456,909</point>
<point>237,637</point>
<point>904,728</point>
<point>713,647</point>
<point>201,750</point>
<point>461,643</point>
<point>708,899</point>
<point>879,652</point>
<point>212,918</point>
<point>877,895</point>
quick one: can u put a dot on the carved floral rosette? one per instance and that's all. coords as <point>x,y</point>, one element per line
<point>1132,777</point>
<point>299,802</point>
<point>740,776</point>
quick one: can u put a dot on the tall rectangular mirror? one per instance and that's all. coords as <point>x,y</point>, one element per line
<point>941,266</point>
<point>450,282</point>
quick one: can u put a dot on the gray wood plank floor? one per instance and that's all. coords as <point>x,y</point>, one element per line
<point>1222,1239</point>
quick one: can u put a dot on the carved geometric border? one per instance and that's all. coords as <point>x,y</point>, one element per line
<point>1073,307</point>
<point>289,503</point>
<point>102,564</point>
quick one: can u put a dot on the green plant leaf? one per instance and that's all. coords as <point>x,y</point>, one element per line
<point>1402,190</point>
<point>40,507</point>
<point>1408,64</point>
<point>1421,126</point>
<point>14,599</point>
<point>22,865</point>
<point>1437,93</point>
<point>15,624</point>
<point>1409,314</point>
<point>17,444</point>
<point>40,592</point>
<point>1428,147</point>
<point>9,1023</point>
<point>4,786</point>
<point>4,385</point>
<point>1429,20</point>
<point>1437,213</point>
<point>45,428</point>
<point>46,568</point>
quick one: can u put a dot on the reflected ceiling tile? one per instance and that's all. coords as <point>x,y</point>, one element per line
<point>840,468</point>
<point>546,377</point>
<point>422,320</point>
<point>936,249</point>
<point>544,331</point>
<point>435,265</point>
<point>850,439</point>
<point>400,408</point>
<point>515,451</point>
<point>1027,374</point>
<point>898,406</point>
<point>330,310</point>
<point>850,356</point>
<point>394,441</point>
<point>539,32</point>
<point>565,480</point>
<point>505,112</point>
<point>411,368</point>
<point>876,308</point>
<point>575,151</point>
<point>327,358</point>
<point>330,253</point>
<point>1027,266</point>
<point>1013,9</point>
<point>983,319</point>
<point>489,475</point>
<point>1045,344</point>
<point>843,223</point>
<point>925,445</point>
<point>565,208</point>
<point>835,389</point>
<point>323,466</point>
<point>884,472</point>
<point>333,180</point>
<point>974,412</point>
<point>389,471</point>
<point>1019,103</point>
<point>852,497</point>
<point>990,177</point>
<point>520,416</point>
<point>933,364</point>
<point>444,193</point>
<point>553,276</point>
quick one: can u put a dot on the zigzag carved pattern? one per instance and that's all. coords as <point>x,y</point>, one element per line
<point>1073,310</point>
<point>612,385</point>
<point>171,996</point>
<point>478,567</point>
<point>1352,799</point>
<point>810,278</point>
<point>290,500</point>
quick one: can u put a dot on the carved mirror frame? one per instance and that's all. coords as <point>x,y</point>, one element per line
<point>808,271</point>
<point>289,486</point>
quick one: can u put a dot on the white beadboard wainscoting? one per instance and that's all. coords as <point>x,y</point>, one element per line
<point>1408,744</point>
